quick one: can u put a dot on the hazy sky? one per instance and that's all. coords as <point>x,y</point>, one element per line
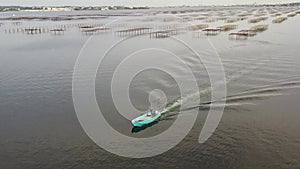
<point>135,2</point>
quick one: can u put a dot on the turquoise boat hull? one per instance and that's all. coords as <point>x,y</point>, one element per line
<point>145,119</point>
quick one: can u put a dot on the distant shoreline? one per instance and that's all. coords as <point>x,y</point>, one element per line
<point>104,8</point>
<point>66,8</point>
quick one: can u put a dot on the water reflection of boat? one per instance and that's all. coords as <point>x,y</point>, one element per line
<point>138,129</point>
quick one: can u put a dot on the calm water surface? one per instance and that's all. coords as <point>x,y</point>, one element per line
<point>259,128</point>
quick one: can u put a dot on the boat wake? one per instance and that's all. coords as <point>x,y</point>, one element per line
<point>247,97</point>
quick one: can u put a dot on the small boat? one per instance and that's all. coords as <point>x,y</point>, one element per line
<point>146,118</point>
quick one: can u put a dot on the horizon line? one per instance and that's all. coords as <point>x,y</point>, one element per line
<point>250,4</point>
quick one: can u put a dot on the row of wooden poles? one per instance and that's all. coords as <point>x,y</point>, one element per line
<point>197,30</point>
<point>202,29</point>
<point>162,32</point>
<point>60,29</point>
<point>90,29</point>
<point>244,34</point>
<point>35,30</point>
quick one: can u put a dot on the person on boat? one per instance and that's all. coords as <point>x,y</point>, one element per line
<point>151,113</point>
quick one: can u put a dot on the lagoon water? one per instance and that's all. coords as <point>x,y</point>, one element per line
<point>259,127</point>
